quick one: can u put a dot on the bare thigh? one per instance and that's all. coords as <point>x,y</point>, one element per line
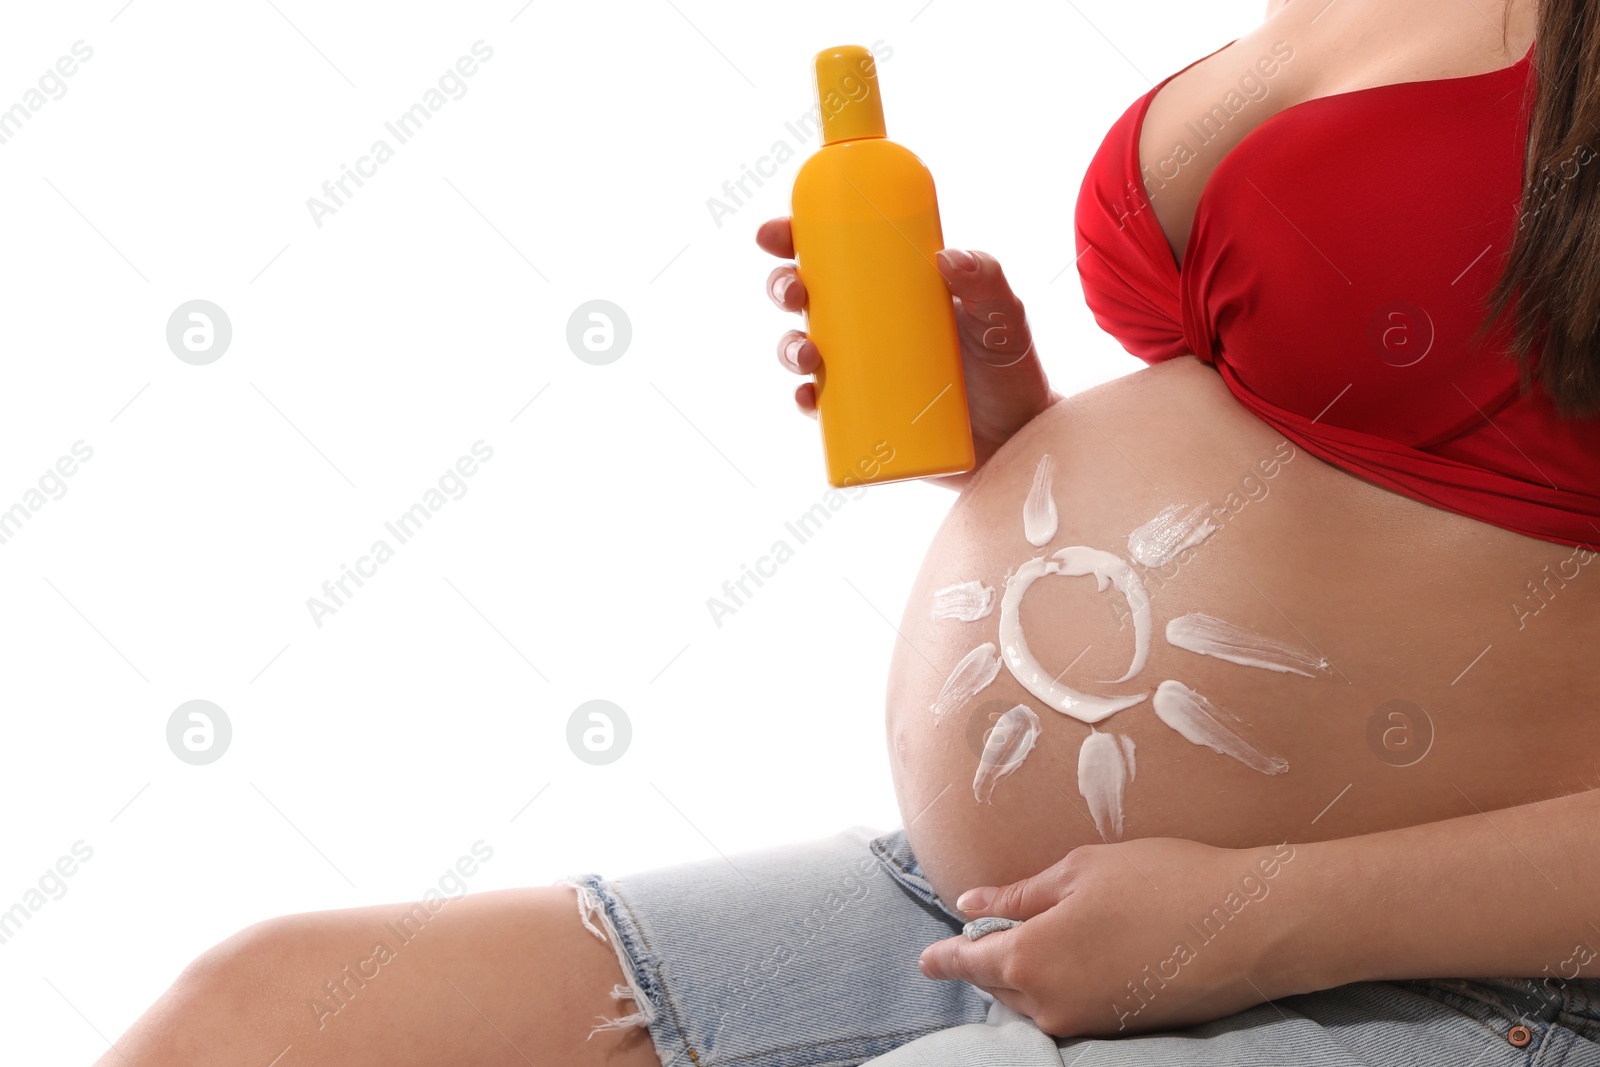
<point>505,977</point>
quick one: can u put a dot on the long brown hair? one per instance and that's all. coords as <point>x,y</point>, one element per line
<point>1553,268</point>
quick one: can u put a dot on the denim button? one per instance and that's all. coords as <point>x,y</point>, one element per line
<point>1520,1036</point>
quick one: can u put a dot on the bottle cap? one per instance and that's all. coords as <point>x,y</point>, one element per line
<point>847,94</point>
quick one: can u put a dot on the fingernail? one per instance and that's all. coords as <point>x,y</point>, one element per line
<point>791,354</point>
<point>781,286</point>
<point>975,900</point>
<point>958,259</point>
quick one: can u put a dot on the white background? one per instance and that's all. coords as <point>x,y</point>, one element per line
<point>369,354</point>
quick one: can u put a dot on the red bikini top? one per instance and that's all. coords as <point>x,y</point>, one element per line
<point>1337,266</point>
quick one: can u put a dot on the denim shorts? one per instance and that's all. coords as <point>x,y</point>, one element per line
<point>806,956</point>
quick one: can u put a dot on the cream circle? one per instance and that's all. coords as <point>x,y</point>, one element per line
<point>1076,561</point>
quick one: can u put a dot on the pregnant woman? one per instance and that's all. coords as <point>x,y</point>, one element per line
<point>1257,689</point>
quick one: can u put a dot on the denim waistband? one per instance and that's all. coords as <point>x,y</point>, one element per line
<point>1583,998</point>
<point>893,851</point>
<point>1537,1004</point>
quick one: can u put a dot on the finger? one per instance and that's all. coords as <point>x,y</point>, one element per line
<point>1020,900</point>
<point>805,398</point>
<point>776,237</point>
<point>786,289</point>
<point>978,962</point>
<point>954,959</point>
<point>992,316</point>
<point>798,354</point>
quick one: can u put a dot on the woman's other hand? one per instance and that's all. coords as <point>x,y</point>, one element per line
<point>1006,383</point>
<point>1156,933</point>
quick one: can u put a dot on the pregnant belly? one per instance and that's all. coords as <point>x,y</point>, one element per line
<point>1341,659</point>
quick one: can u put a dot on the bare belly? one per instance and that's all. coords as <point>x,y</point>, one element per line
<point>1459,656</point>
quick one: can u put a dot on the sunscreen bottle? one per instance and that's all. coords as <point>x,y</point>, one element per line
<point>891,399</point>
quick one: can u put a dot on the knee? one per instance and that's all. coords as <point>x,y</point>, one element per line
<point>252,950</point>
<point>243,978</point>
<point>215,1010</point>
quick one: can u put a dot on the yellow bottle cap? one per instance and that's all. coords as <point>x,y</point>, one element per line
<point>847,94</point>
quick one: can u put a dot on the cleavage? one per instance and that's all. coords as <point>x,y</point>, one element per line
<point>1199,114</point>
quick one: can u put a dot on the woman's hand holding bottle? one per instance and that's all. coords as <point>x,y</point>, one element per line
<point>1006,383</point>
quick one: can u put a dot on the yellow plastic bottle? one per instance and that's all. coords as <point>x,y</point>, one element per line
<point>890,394</point>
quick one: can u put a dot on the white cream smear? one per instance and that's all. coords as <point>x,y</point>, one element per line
<point>1203,723</point>
<point>977,669</point>
<point>1211,636</point>
<point>1105,766</point>
<point>1039,510</point>
<point>965,601</point>
<point>1076,561</point>
<point>1008,744</point>
<point>1171,532</point>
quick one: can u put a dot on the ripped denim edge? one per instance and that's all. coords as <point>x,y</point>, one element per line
<point>602,914</point>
